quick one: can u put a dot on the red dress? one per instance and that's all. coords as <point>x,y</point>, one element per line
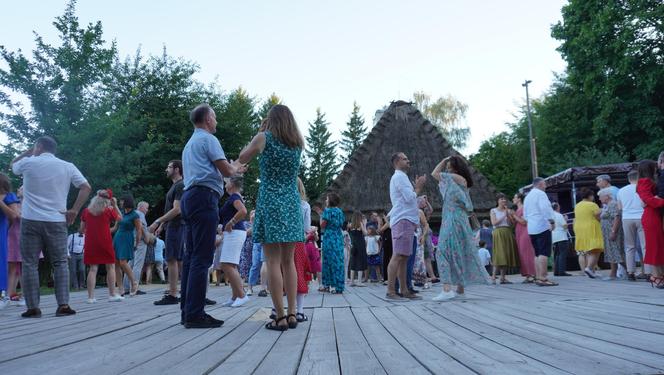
<point>98,246</point>
<point>302,268</point>
<point>652,222</point>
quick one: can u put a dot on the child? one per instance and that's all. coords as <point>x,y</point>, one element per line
<point>358,251</point>
<point>485,256</point>
<point>313,252</point>
<point>486,234</point>
<point>373,253</point>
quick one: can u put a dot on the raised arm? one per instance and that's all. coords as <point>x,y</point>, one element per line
<point>440,167</point>
<point>255,147</point>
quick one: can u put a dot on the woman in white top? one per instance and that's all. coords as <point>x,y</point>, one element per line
<point>560,242</point>
<point>504,244</point>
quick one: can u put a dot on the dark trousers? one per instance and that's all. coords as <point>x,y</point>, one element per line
<point>200,212</point>
<point>560,250</point>
<point>76,271</point>
<point>409,267</point>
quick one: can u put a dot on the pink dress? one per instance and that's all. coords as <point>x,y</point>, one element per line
<point>525,247</point>
<point>314,254</point>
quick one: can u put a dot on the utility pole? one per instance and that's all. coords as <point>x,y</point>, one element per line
<point>533,151</point>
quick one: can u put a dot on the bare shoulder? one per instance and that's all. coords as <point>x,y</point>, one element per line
<point>459,179</point>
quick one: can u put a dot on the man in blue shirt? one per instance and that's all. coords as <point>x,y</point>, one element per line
<point>204,165</point>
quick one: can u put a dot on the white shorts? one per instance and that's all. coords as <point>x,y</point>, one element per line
<point>232,246</point>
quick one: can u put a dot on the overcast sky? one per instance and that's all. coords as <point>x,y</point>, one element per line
<point>328,54</point>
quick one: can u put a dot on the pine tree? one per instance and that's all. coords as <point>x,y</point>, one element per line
<point>354,134</point>
<point>321,156</point>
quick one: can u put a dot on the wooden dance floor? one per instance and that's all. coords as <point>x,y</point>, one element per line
<point>581,327</point>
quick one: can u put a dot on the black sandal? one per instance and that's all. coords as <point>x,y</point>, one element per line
<point>292,325</point>
<point>301,317</point>
<point>274,324</point>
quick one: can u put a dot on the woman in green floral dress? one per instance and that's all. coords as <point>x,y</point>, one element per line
<point>458,262</point>
<point>278,221</point>
<point>332,220</point>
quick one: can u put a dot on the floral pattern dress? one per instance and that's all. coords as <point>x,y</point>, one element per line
<point>278,218</point>
<point>333,249</point>
<point>245,255</point>
<point>458,262</point>
<point>613,250</point>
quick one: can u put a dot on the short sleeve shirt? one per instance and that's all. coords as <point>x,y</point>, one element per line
<point>174,194</point>
<point>198,157</point>
<point>46,182</point>
<point>228,211</point>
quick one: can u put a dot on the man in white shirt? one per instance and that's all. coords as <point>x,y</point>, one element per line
<point>404,218</point>
<point>631,208</point>
<point>44,213</point>
<point>538,213</point>
<point>75,243</point>
<point>604,182</point>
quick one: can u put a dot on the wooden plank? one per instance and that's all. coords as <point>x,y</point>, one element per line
<point>354,300</point>
<point>355,354</point>
<point>284,357</point>
<point>334,300</point>
<point>179,351</point>
<point>557,345</point>
<point>504,356</point>
<point>557,320</point>
<point>389,352</point>
<point>432,358</point>
<point>320,354</point>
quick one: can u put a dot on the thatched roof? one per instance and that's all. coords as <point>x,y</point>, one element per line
<point>364,182</point>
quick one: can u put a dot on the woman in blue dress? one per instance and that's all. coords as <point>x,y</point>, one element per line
<point>458,261</point>
<point>278,222</point>
<point>332,221</point>
<point>9,212</point>
<point>124,243</point>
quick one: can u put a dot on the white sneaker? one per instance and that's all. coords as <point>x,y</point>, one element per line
<point>116,298</point>
<point>250,292</point>
<point>590,273</point>
<point>19,302</point>
<point>444,296</point>
<point>91,300</point>
<point>240,301</point>
<point>228,302</point>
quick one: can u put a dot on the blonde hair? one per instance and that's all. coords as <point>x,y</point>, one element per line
<point>98,203</point>
<point>301,189</point>
<point>281,123</point>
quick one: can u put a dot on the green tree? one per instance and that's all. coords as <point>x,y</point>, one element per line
<point>615,57</point>
<point>354,135</point>
<point>321,156</point>
<point>447,114</point>
<point>270,102</point>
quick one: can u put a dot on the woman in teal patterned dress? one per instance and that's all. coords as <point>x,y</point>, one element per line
<point>458,262</point>
<point>332,221</point>
<point>278,221</point>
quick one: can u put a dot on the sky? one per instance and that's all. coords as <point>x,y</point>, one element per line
<point>329,54</point>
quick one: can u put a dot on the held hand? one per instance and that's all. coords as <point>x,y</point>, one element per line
<point>70,215</point>
<point>228,227</point>
<point>239,167</point>
<point>157,232</point>
<point>153,228</point>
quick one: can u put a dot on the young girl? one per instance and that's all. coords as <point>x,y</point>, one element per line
<point>313,252</point>
<point>373,253</point>
<point>301,258</point>
<point>96,222</point>
<point>358,250</point>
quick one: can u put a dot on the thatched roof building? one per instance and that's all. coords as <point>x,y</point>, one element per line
<point>364,182</point>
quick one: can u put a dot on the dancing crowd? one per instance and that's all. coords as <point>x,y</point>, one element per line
<point>277,247</point>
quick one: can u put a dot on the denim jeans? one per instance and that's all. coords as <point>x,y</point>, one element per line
<point>200,211</point>
<point>560,250</point>
<point>256,262</point>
